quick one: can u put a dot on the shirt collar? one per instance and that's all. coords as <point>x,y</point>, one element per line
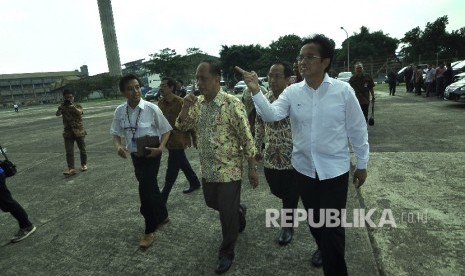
<point>218,100</point>
<point>141,104</point>
<point>326,79</point>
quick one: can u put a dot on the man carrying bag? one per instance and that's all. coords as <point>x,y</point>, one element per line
<point>9,205</point>
<point>371,121</point>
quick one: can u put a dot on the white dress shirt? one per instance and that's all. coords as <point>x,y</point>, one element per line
<point>151,122</point>
<point>323,122</point>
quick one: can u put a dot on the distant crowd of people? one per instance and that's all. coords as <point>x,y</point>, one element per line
<point>433,80</point>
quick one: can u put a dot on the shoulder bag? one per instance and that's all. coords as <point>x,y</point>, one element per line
<point>8,167</point>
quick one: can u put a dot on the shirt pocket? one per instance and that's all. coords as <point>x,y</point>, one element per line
<point>145,127</point>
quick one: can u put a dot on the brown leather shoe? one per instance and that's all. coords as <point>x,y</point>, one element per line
<point>147,240</point>
<point>70,172</point>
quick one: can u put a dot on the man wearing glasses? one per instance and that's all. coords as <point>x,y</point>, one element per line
<point>276,155</point>
<point>325,116</point>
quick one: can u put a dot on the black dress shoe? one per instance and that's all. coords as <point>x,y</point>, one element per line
<point>190,189</point>
<point>317,259</point>
<point>285,236</point>
<point>242,221</point>
<point>223,265</point>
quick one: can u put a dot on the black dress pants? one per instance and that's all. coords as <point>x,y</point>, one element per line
<point>365,110</point>
<point>282,186</point>
<point>177,160</point>
<point>326,194</point>
<point>152,206</point>
<point>9,205</point>
<point>225,197</point>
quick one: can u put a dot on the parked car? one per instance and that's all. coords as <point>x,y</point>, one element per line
<point>401,72</point>
<point>459,67</point>
<point>344,76</point>
<point>239,87</point>
<point>153,94</point>
<point>458,77</point>
<point>455,91</point>
<point>224,86</point>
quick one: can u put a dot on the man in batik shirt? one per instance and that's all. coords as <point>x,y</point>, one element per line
<point>224,141</point>
<point>73,131</point>
<point>277,153</point>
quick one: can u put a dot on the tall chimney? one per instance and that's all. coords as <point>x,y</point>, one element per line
<point>109,37</point>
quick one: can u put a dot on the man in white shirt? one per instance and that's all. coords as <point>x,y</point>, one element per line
<point>134,119</point>
<point>325,116</point>
<point>430,79</point>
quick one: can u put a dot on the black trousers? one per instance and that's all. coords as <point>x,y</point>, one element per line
<point>392,88</point>
<point>440,87</point>
<point>225,197</point>
<point>365,110</point>
<point>152,206</point>
<point>418,88</point>
<point>282,186</point>
<point>177,160</point>
<point>9,205</point>
<point>326,194</point>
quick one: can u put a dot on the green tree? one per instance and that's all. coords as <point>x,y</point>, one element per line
<point>248,57</point>
<point>165,63</point>
<point>434,42</point>
<point>366,46</point>
<point>286,48</point>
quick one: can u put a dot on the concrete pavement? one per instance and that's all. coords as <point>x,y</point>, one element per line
<point>89,224</point>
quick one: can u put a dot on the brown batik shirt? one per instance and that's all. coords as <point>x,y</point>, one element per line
<point>277,137</point>
<point>72,120</point>
<point>178,139</point>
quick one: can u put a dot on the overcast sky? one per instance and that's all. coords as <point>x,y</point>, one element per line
<point>62,35</point>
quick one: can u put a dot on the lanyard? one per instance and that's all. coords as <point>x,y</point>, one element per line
<point>133,129</point>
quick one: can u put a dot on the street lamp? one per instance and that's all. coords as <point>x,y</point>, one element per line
<point>348,69</point>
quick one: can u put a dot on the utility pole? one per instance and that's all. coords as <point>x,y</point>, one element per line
<point>348,46</point>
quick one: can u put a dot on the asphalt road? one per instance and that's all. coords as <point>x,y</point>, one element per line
<point>89,224</point>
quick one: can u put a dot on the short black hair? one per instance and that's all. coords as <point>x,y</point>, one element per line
<point>215,68</point>
<point>288,71</point>
<point>170,81</point>
<point>68,92</point>
<point>125,79</point>
<point>326,46</point>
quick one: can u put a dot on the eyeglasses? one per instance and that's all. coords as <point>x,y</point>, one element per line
<point>309,58</point>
